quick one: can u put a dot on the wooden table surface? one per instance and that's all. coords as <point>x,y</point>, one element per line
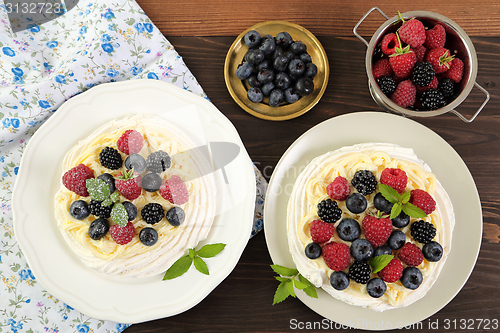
<point>202,32</point>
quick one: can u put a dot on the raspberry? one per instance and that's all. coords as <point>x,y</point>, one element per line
<point>110,158</point>
<point>377,230</point>
<point>328,211</point>
<point>411,254</point>
<point>364,182</point>
<point>152,213</point>
<point>439,58</point>
<point>402,63</point>
<point>412,32</point>
<point>387,84</point>
<point>422,74</point>
<point>321,232</point>
<point>174,190</point>
<point>122,235</point>
<point>98,210</point>
<point>456,70</point>
<point>158,161</point>
<point>129,184</point>
<point>392,272</point>
<point>420,52</point>
<point>423,200</point>
<point>74,179</point>
<point>395,178</point>
<point>382,67</point>
<point>389,43</point>
<point>435,37</point>
<point>423,232</point>
<point>360,272</point>
<point>432,99</point>
<point>130,142</point>
<point>337,256</point>
<point>405,94</point>
<point>338,189</point>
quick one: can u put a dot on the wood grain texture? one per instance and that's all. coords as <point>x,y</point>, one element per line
<point>242,302</point>
<point>321,17</point>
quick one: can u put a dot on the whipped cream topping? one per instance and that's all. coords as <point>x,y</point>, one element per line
<point>136,259</point>
<point>310,188</point>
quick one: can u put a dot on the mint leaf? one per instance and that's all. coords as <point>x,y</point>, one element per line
<point>311,292</point>
<point>282,279</point>
<point>115,196</point>
<point>305,281</point>
<point>107,202</point>
<point>299,285</point>
<point>201,266</point>
<point>119,215</point>
<point>389,193</point>
<point>210,250</point>
<point>179,267</point>
<point>284,271</point>
<point>289,286</point>
<point>413,211</point>
<point>405,197</point>
<point>191,253</point>
<point>97,188</point>
<point>396,210</point>
<point>281,293</point>
<point>378,263</point>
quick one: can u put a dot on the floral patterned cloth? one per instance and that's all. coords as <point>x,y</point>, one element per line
<point>40,68</point>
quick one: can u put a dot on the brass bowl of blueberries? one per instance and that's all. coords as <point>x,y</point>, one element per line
<point>276,70</point>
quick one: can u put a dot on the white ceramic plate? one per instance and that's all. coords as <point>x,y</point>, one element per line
<point>445,163</point>
<point>60,271</point>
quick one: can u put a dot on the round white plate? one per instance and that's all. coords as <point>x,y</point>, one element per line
<point>445,163</point>
<point>60,271</point>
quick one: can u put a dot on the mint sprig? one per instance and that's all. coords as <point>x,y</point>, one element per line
<point>401,202</point>
<point>290,278</point>
<point>183,264</point>
<point>119,214</point>
<point>379,262</point>
<point>98,189</point>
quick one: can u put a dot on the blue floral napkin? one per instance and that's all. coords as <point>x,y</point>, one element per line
<point>40,68</point>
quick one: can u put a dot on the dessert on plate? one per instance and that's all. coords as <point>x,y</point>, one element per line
<point>134,196</point>
<point>370,224</point>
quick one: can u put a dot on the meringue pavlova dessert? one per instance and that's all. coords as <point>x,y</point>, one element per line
<point>370,224</point>
<point>135,195</point>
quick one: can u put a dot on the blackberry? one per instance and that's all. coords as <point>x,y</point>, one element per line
<point>377,52</point>
<point>432,99</point>
<point>110,158</point>
<point>158,161</point>
<point>328,211</point>
<point>98,210</point>
<point>423,232</point>
<point>387,84</point>
<point>447,87</point>
<point>152,213</point>
<point>423,74</point>
<point>360,272</point>
<point>364,182</point>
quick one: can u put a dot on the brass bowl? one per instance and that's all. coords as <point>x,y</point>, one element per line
<point>238,90</point>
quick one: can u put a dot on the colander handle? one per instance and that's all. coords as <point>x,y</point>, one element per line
<point>355,30</point>
<point>459,115</point>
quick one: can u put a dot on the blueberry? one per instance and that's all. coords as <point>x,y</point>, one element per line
<point>252,38</point>
<point>296,67</point>
<point>313,250</point>
<point>254,56</point>
<point>253,82</point>
<point>136,162</point>
<point>131,210</point>
<point>282,80</point>
<point>361,250</point>
<point>412,278</point>
<point>291,95</point>
<point>267,88</point>
<point>382,203</point>
<point>148,236</point>
<point>244,70</point>
<point>348,230</point>
<point>339,280</point>
<point>305,57</point>
<point>79,209</point>
<point>381,250</point>
<point>376,287</point>
<point>356,203</point>
<point>255,95</point>
<point>175,216</point>
<point>268,45</point>
<point>264,64</point>
<point>98,228</point>
<point>291,56</point>
<point>432,251</point>
<point>108,179</point>
<point>278,52</point>
<point>304,86</point>
<point>401,221</point>
<point>396,240</point>
<point>151,182</point>
<point>284,40</point>
<point>280,63</point>
<point>265,75</point>
<point>276,97</point>
<point>298,47</point>
<point>311,70</point>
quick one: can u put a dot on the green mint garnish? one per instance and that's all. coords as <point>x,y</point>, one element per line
<point>288,279</point>
<point>119,214</point>
<point>401,202</point>
<point>183,264</point>
<point>378,263</point>
<point>97,188</point>
<point>115,197</point>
